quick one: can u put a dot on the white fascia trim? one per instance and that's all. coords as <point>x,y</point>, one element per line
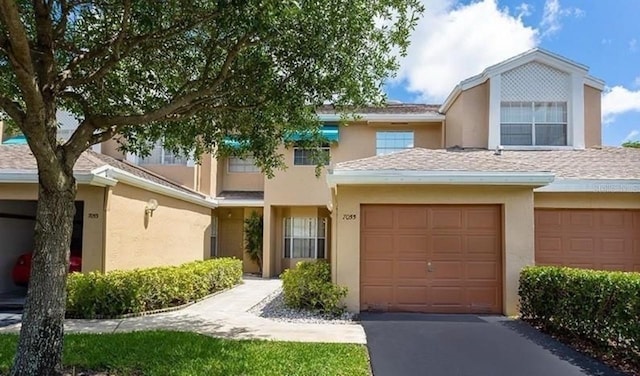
<point>29,176</point>
<point>136,181</point>
<point>232,203</point>
<point>372,118</point>
<point>381,177</point>
<point>593,185</point>
<point>594,82</point>
<point>450,99</point>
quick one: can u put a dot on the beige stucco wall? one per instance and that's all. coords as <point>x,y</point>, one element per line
<point>592,116</point>
<point>518,228</point>
<point>93,221</point>
<point>357,140</point>
<point>605,200</point>
<point>183,175</point>
<point>178,231</point>
<point>467,123</point>
<point>239,181</point>
<point>110,148</point>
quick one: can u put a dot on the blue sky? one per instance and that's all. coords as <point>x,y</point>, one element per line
<point>458,38</point>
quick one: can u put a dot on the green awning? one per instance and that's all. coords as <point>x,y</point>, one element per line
<point>329,132</point>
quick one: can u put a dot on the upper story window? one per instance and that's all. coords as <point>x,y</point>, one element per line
<point>533,123</point>
<point>392,141</point>
<point>160,156</point>
<point>306,157</point>
<point>237,164</point>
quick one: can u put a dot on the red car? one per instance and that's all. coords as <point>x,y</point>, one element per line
<point>22,268</point>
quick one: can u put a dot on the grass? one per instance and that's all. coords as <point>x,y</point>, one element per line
<point>179,353</point>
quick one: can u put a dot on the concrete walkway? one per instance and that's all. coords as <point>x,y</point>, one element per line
<point>224,315</point>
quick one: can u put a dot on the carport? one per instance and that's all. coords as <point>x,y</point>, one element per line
<point>17,221</point>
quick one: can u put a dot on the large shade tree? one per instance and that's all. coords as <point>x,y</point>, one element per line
<point>189,72</point>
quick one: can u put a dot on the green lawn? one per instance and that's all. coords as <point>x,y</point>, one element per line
<point>177,353</point>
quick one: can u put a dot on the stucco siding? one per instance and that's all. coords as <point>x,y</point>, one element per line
<point>177,232</point>
<point>467,123</point>
<point>518,228</point>
<point>240,181</point>
<point>183,175</point>
<point>592,116</point>
<point>587,200</point>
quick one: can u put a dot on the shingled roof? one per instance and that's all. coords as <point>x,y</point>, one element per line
<point>19,159</point>
<point>390,108</point>
<point>592,163</point>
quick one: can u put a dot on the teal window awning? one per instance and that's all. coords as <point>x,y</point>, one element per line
<point>329,132</point>
<point>15,140</point>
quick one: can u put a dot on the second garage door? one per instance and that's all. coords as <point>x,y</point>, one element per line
<point>588,238</point>
<point>431,258</point>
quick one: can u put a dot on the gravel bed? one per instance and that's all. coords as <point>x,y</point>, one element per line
<point>272,307</point>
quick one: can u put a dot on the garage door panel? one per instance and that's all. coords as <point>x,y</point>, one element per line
<point>591,238</point>
<point>462,243</point>
<point>450,219</point>
<point>411,245</point>
<point>411,269</point>
<point>377,269</point>
<point>376,219</point>
<point>411,218</point>
<point>482,271</point>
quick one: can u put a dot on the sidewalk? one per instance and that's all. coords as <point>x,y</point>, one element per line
<point>224,315</point>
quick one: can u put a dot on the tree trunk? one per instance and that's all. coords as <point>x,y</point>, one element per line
<point>41,336</point>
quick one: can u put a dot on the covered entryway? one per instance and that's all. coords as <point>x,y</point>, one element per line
<point>588,238</point>
<point>431,258</point>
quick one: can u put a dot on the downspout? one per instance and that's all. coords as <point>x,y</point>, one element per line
<point>105,216</point>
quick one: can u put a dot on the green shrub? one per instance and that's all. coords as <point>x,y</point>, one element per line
<point>118,293</point>
<point>308,286</point>
<point>600,306</point>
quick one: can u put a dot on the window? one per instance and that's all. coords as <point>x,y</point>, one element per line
<point>533,123</point>
<point>305,238</point>
<point>305,157</point>
<point>237,164</point>
<point>389,142</point>
<point>160,156</point>
<point>213,252</point>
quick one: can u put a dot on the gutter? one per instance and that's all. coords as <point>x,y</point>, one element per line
<point>388,177</point>
<point>31,177</point>
<point>395,118</point>
<point>593,186</point>
<point>136,181</point>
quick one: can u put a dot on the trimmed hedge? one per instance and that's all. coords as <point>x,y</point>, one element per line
<point>112,294</point>
<point>600,306</point>
<point>308,286</point>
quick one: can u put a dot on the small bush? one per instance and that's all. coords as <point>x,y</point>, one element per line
<point>309,286</point>
<point>118,293</point>
<point>600,306</point>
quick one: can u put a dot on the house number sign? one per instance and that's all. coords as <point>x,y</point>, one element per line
<point>349,217</point>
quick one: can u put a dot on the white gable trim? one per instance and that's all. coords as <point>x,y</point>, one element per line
<point>536,54</point>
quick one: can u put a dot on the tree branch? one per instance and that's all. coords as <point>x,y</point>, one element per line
<point>12,109</point>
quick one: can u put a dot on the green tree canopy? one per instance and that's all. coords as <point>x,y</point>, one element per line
<point>190,72</point>
<point>631,144</point>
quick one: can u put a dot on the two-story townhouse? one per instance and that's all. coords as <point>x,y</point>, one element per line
<point>422,207</point>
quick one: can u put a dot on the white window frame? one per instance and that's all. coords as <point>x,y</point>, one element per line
<point>326,149</point>
<point>393,150</point>
<point>315,238</point>
<point>164,154</point>
<point>247,168</point>
<point>533,123</point>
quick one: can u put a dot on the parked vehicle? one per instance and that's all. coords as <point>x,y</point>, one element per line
<point>22,269</point>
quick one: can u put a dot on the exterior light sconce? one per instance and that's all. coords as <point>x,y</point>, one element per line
<point>229,214</point>
<point>150,207</point>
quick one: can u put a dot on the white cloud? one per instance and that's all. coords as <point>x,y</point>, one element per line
<point>453,42</point>
<point>632,136</point>
<point>618,100</point>
<point>524,10</point>
<point>554,13</point>
<point>633,45</point>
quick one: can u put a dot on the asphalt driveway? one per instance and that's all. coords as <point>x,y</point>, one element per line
<point>468,345</point>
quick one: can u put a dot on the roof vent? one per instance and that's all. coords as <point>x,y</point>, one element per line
<point>499,150</point>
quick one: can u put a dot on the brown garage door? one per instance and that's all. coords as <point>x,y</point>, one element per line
<point>431,258</point>
<point>588,238</point>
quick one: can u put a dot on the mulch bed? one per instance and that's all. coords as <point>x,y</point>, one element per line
<point>615,358</point>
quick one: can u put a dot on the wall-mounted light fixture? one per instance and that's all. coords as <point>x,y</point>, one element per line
<point>150,207</point>
<point>229,214</point>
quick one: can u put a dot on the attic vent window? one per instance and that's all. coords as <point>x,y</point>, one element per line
<point>533,123</point>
